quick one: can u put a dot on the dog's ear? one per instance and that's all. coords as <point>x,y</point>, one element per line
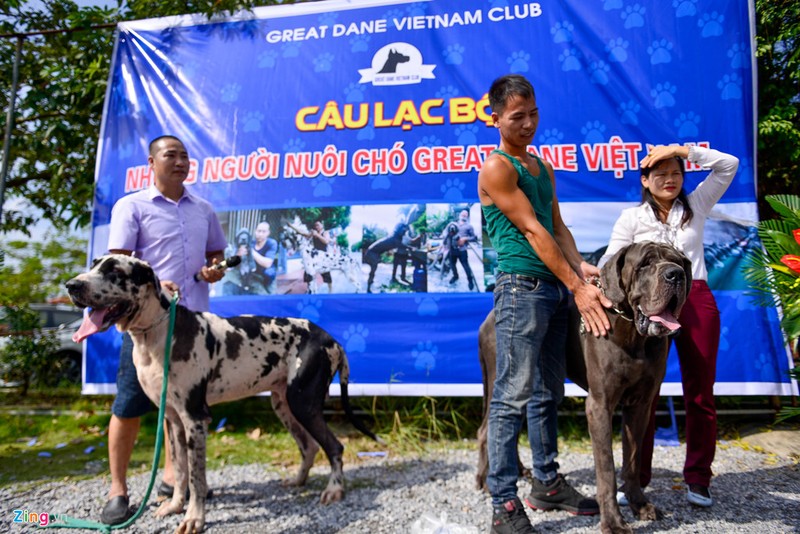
<point>142,274</point>
<point>614,275</point>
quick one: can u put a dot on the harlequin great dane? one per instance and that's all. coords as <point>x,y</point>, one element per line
<point>316,261</point>
<point>215,359</point>
<point>648,284</point>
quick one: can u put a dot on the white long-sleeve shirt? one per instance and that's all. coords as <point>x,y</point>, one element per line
<point>640,223</point>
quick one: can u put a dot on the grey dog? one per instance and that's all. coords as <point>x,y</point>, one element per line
<point>648,284</point>
<point>213,360</point>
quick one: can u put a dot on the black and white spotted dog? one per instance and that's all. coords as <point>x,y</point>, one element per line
<point>316,261</point>
<point>215,359</point>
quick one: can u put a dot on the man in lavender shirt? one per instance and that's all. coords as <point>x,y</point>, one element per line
<point>179,235</point>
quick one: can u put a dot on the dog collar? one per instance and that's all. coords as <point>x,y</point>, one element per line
<point>157,322</point>
<point>595,281</point>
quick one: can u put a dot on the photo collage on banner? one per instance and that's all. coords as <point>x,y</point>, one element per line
<point>398,248</point>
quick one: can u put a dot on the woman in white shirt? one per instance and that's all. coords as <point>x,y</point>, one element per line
<point>668,215</point>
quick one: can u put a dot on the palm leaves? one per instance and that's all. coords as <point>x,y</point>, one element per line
<point>774,273</point>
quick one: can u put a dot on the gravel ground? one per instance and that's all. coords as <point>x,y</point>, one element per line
<point>754,492</point>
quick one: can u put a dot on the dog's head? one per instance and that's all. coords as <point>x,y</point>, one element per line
<point>115,289</point>
<point>649,281</point>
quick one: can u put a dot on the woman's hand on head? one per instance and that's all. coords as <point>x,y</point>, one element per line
<point>662,152</point>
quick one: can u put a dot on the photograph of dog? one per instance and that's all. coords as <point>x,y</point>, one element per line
<point>215,359</point>
<point>648,284</point>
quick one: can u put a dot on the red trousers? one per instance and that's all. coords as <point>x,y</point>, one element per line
<point>697,346</point>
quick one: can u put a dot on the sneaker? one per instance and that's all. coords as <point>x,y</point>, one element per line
<point>699,496</point>
<point>559,495</point>
<point>511,518</point>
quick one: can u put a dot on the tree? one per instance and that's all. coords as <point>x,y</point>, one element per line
<point>36,272</point>
<point>59,104</point>
<point>778,53</point>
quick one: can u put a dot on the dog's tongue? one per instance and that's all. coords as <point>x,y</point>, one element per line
<point>91,324</point>
<point>667,319</point>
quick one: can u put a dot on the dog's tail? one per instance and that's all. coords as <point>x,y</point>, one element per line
<point>344,378</point>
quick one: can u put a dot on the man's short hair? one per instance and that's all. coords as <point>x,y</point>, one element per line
<point>154,142</point>
<point>507,86</point>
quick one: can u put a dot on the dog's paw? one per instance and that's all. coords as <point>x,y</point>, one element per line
<point>169,507</point>
<point>332,495</point>
<point>617,528</point>
<point>649,512</point>
<point>190,525</point>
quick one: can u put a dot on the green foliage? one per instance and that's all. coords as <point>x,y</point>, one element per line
<point>37,271</point>
<point>778,53</point>
<point>25,354</point>
<point>770,274</point>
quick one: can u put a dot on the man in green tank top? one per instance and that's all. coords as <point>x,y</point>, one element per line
<point>538,265</point>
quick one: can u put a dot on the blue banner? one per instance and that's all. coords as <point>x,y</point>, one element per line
<point>371,119</point>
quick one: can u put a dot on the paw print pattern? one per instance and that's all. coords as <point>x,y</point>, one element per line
<point>634,194</point>
<point>593,132</point>
<point>359,43</point>
<point>599,72</point>
<point>685,8</point>
<point>308,308</point>
<point>466,134</point>
<point>617,50</point>
<point>731,87</point>
<point>633,16</point>
<point>660,52</point>
<point>711,23</point>
<point>294,145</point>
<point>230,92</point>
<point>452,190</point>
<point>454,54</point>
<point>380,181</point>
<point>429,140</point>
<point>723,339</point>
<point>447,92</point>
<point>252,121</point>
<point>425,356</point>
<point>366,134</point>
<point>267,59</point>
<point>518,62</point>
<point>290,49</point>
<point>746,302</point>
<point>562,32</point>
<point>629,112</point>
<point>427,306</point>
<point>354,93</point>
<point>551,137</point>
<point>739,56</point>
<point>570,59</point>
<point>663,95</point>
<point>417,9</point>
<point>744,175</point>
<point>322,186</point>
<point>355,338</point>
<point>323,62</point>
<point>687,125</point>
<point>609,5</point>
<point>767,370</point>
<point>328,18</point>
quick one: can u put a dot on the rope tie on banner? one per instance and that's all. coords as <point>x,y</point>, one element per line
<point>72,522</point>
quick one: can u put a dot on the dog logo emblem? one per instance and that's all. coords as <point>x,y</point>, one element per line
<point>397,64</point>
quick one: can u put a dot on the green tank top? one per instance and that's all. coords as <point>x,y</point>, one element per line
<point>514,253</point>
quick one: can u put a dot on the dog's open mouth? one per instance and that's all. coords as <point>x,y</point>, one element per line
<point>99,320</point>
<point>665,318</point>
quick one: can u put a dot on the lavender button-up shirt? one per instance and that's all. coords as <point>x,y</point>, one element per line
<point>173,237</point>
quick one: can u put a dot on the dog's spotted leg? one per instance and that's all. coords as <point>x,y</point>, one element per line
<point>194,519</point>
<point>309,415</point>
<point>308,447</point>
<point>177,448</point>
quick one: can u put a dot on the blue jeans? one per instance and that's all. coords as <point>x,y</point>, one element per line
<point>131,401</point>
<point>531,317</point>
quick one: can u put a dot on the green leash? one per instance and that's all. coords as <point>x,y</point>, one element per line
<point>72,522</point>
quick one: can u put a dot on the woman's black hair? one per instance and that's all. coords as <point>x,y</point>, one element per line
<point>647,196</point>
